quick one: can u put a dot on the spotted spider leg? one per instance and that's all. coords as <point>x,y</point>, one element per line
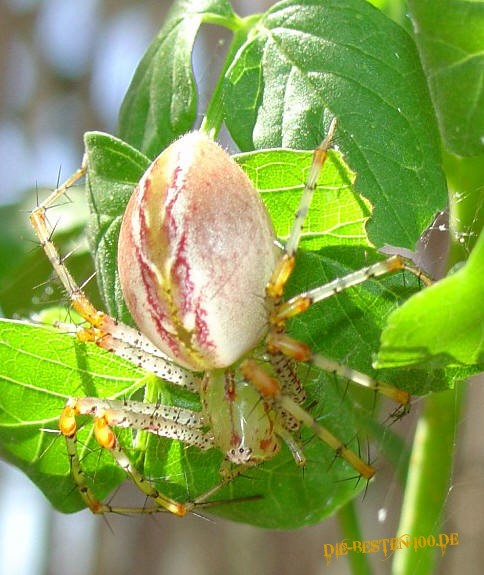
<point>165,421</point>
<point>130,344</point>
<point>280,345</point>
<point>298,304</point>
<point>282,311</point>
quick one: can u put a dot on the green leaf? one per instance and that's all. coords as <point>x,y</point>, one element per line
<point>40,368</point>
<point>450,38</point>
<point>114,169</point>
<point>306,61</point>
<point>161,102</point>
<point>443,324</point>
<point>338,215</point>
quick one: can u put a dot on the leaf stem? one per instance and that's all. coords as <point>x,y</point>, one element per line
<point>215,109</point>
<point>151,395</point>
<point>350,528</point>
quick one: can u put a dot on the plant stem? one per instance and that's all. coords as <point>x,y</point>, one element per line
<point>466,211</point>
<point>151,395</point>
<point>433,449</point>
<point>428,480</point>
<point>350,528</point>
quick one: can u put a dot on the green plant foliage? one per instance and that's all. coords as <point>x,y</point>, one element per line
<point>287,73</point>
<point>306,58</point>
<point>40,369</point>
<point>450,37</point>
<point>114,169</point>
<point>453,309</point>
<point>161,102</point>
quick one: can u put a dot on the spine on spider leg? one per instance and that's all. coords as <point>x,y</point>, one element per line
<point>325,435</point>
<point>301,352</point>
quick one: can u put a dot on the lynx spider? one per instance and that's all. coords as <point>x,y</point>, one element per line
<point>269,392</point>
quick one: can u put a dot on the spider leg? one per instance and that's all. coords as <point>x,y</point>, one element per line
<point>270,389</point>
<point>105,331</point>
<point>325,435</point>
<point>319,158</point>
<point>283,391</point>
<point>292,443</point>
<point>229,473</point>
<point>299,351</point>
<point>286,263</point>
<point>302,301</point>
<point>166,421</point>
<point>281,311</point>
<point>139,352</point>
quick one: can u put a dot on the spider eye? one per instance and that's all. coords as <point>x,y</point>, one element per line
<point>195,253</point>
<point>240,455</point>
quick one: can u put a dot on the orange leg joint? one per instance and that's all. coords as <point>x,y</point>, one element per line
<point>267,385</point>
<point>67,421</point>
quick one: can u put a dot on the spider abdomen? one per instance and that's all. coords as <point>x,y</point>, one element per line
<point>196,251</point>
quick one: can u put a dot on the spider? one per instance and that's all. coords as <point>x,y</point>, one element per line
<point>204,280</point>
